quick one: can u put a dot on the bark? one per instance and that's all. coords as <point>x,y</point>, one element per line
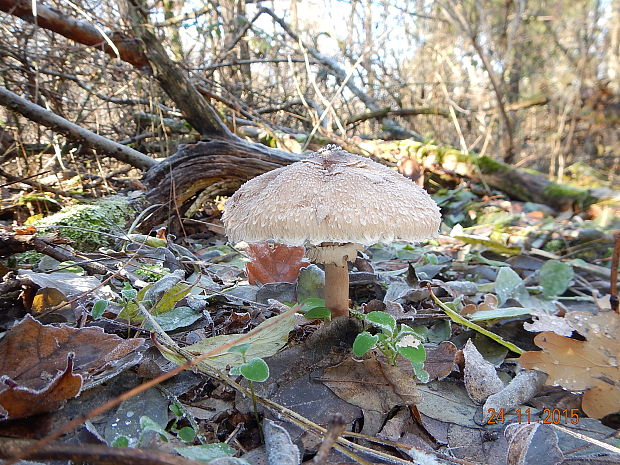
<point>173,80</point>
<point>58,124</point>
<point>129,49</point>
<point>218,166</point>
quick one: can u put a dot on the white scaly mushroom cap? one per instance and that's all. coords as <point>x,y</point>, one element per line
<point>333,196</point>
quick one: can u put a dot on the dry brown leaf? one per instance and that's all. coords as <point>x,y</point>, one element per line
<point>590,365</point>
<point>490,302</point>
<point>526,442</point>
<point>25,230</point>
<point>18,401</point>
<point>440,360</point>
<point>41,365</point>
<point>46,298</point>
<point>372,384</point>
<point>481,379</point>
<point>274,263</point>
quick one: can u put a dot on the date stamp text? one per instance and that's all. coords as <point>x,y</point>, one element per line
<point>550,416</point>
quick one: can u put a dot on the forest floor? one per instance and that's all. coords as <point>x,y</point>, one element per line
<point>514,342</point>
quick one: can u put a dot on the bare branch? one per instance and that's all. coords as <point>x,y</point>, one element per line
<point>173,80</point>
<point>58,124</point>
<point>83,33</point>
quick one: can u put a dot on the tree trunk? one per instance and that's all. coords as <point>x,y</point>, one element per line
<point>173,80</point>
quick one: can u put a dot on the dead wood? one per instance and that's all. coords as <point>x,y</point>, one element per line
<point>173,80</point>
<point>47,244</point>
<point>383,112</point>
<point>58,124</point>
<point>91,453</point>
<point>129,49</point>
<point>220,166</point>
<point>517,183</point>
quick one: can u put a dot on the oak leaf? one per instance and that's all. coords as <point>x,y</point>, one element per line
<point>273,263</point>
<point>41,366</point>
<point>590,365</point>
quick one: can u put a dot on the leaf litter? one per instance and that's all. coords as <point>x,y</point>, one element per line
<point>512,280</point>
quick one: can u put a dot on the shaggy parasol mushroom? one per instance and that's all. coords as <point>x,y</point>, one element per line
<point>333,203</point>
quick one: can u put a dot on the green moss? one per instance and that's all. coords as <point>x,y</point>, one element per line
<point>579,196</point>
<point>83,223</point>
<point>152,273</point>
<point>29,257</point>
<point>554,245</point>
<point>489,166</point>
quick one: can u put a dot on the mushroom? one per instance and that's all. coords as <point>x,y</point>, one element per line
<point>334,203</point>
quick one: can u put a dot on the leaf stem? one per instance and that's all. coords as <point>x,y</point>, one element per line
<point>465,322</point>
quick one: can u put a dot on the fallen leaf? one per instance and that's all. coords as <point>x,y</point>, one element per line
<point>543,322</point>
<point>440,360</point>
<point>555,277</point>
<point>281,450</point>
<point>489,303</point>
<point>46,298</point>
<point>509,284</point>
<point>272,263</point>
<point>34,367</point>
<point>263,343</point>
<point>526,444</point>
<point>486,242</point>
<point>25,230</point>
<point>71,285</point>
<point>21,401</point>
<point>521,389</point>
<point>447,403</point>
<point>481,380</point>
<point>372,384</point>
<point>590,365</point>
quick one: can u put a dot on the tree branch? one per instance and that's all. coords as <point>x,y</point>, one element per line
<point>173,80</point>
<point>95,454</point>
<point>456,16</point>
<point>341,76</point>
<point>71,130</point>
<point>383,112</point>
<point>129,49</point>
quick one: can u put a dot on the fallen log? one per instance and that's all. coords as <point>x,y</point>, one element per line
<point>216,167</point>
<point>518,183</point>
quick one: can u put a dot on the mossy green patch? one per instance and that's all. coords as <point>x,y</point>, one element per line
<point>88,225</point>
<point>152,273</point>
<point>30,257</point>
<point>579,196</point>
<point>489,166</point>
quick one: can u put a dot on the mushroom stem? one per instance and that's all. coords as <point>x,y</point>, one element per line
<point>337,289</point>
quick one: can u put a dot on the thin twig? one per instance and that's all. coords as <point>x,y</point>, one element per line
<point>92,453</point>
<point>334,430</point>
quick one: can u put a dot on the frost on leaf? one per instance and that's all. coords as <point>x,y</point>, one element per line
<point>590,365</point>
<point>481,379</point>
<point>271,263</point>
<point>41,366</point>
